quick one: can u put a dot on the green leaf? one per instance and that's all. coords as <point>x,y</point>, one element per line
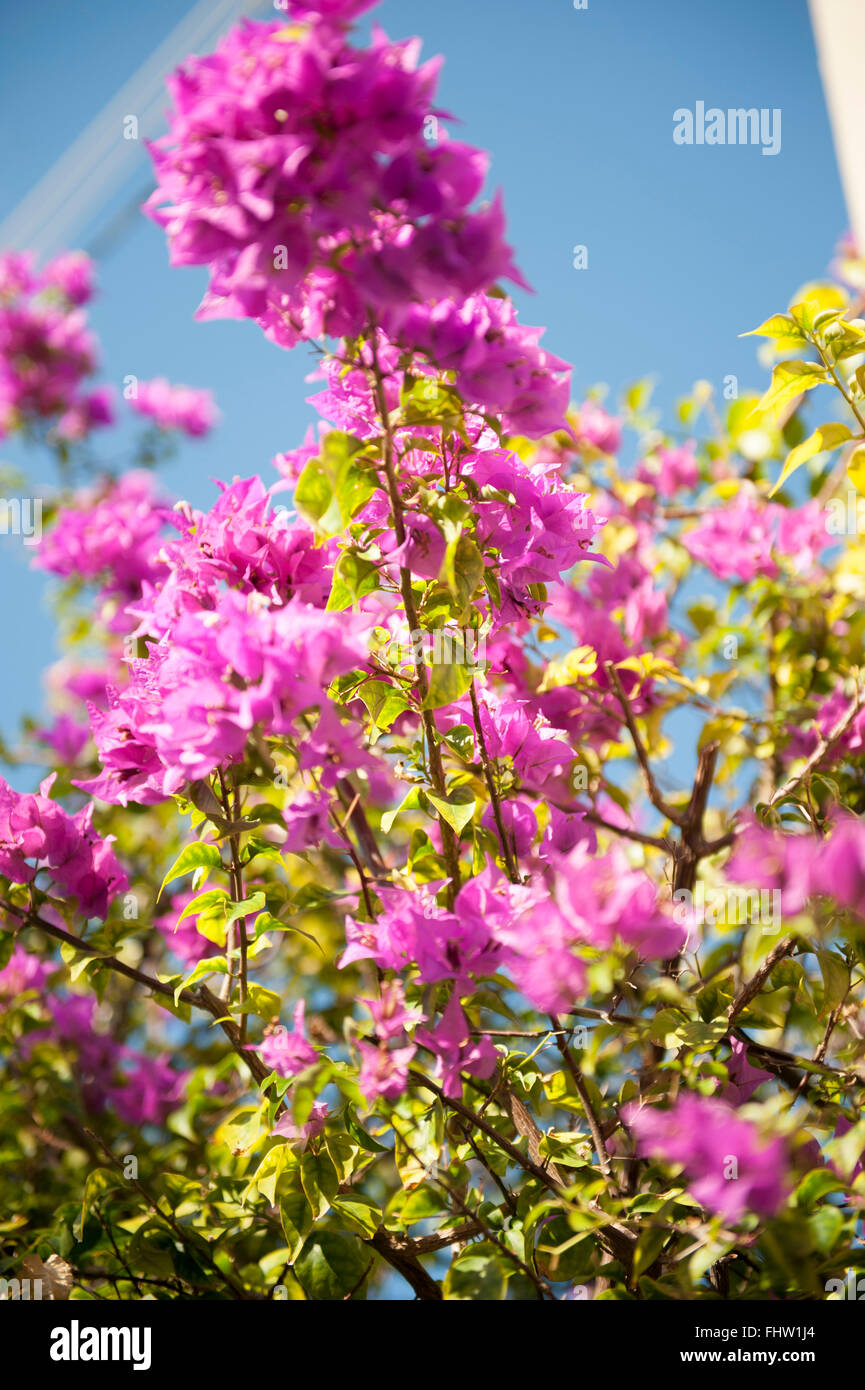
<point>826,1225</point>
<point>359,1134</point>
<point>98,1181</point>
<point>269,1171</point>
<point>789,380</point>
<point>360,1212</point>
<point>296,1216</point>
<point>7,947</point>
<point>331,488</point>
<point>425,401</point>
<point>384,702</point>
<point>331,1267</point>
<point>856,469</point>
<point>836,978</point>
<point>319,1179</point>
<point>650,1243</point>
<point>825,437</point>
<point>418,1205</point>
<point>462,570</point>
<point>562,1255</point>
<point>476,1278</point>
<point>846,1151</point>
<point>244,1130</point>
<point>457,808</point>
<point>424,1136</point>
<point>152,1249</point>
<point>410,802</point>
<point>461,739</point>
<point>702,1259</point>
<point>344,1152</point>
<point>266,922</point>
<point>816,1185</point>
<point>306,1086</point>
<point>211,965</point>
<point>247,908</point>
<point>782,329</point>
<point>639,394</point>
<point>75,960</point>
<point>352,578</point>
<point>201,855</point>
<point>204,902</point>
<point>814,302</point>
<point>449,680</point>
<point>260,849</point>
<point>261,1001</point>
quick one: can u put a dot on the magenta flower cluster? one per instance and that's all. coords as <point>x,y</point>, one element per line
<point>183,408</point>
<point>37,835</point>
<point>138,1088</point>
<point>46,350</point>
<point>316,182</point>
<point>802,866</point>
<point>730,1168</point>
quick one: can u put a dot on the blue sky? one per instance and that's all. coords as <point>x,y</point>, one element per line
<point>687,246</point>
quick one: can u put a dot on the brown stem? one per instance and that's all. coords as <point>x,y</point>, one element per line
<point>543,1175</point>
<point>200,998</point>
<point>654,841</point>
<point>436,767</point>
<point>752,987</point>
<point>586,1100</point>
<point>824,746</point>
<point>654,791</point>
<point>235,874</point>
<point>543,1288</point>
<point>405,1264</point>
<point>510,862</point>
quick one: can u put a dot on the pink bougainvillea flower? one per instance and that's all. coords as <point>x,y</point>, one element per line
<point>36,834</point>
<point>183,408</point>
<point>730,1168</point>
<point>111,533</point>
<point>734,541</point>
<point>46,349</point>
<point>669,470</point>
<point>288,1128</point>
<point>384,1073</point>
<point>519,822</point>
<point>151,1089</point>
<point>766,858</point>
<point>390,1013</point>
<point>23,971</point>
<point>287,1051</point>
<point>838,869</point>
<point>744,1077</point>
<point>66,736</point>
<point>72,274</point>
<point>455,1049</point>
<point>605,899</point>
<point>309,823</point>
<point>596,427</point>
<point>219,671</point>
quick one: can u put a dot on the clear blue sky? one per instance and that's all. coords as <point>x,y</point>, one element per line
<point>687,247</point>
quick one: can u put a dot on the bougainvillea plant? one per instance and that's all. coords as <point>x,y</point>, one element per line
<point>377,929</point>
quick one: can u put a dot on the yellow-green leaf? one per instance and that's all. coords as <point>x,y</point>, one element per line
<point>782,329</point>
<point>789,380</point>
<point>825,437</point>
<point>856,469</point>
<point>201,855</point>
<point>457,809</point>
